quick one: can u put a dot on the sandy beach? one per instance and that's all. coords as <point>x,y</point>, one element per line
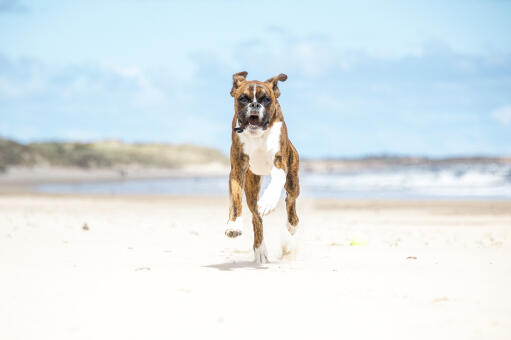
<point>125,126</point>
<point>142,267</point>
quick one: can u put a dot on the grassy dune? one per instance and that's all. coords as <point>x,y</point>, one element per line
<point>105,154</point>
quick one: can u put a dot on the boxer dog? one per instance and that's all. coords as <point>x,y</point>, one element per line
<point>260,146</point>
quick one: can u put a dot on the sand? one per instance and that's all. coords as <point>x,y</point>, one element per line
<point>134,267</point>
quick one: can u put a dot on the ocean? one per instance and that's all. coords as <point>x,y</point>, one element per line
<point>457,181</point>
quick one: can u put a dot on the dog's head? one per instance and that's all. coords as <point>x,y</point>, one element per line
<point>255,102</point>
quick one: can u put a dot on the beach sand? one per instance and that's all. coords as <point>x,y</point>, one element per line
<point>137,267</point>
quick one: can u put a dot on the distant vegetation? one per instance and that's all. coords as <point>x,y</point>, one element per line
<point>105,154</point>
<point>109,154</point>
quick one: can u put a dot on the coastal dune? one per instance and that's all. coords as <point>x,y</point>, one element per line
<point>132,267</point>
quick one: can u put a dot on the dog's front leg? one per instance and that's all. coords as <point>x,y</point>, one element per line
<point>273,191</point>
<point>236,184</point>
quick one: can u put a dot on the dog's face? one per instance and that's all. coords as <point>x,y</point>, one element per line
<point>254,101</point>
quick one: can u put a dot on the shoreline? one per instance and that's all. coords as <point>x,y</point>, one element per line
<point>23,179</point>
<point>69,181</point>
<point>476,206</point>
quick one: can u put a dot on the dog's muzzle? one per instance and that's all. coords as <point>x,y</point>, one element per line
<point>252,118</point>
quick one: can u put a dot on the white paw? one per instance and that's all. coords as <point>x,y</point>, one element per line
<point>292,228</point>
<point>269,200</point>
<point>288,240</point>
<point>234,228</point>
<point>261,254</point>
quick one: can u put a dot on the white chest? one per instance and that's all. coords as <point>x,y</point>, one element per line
<point>261,148</point>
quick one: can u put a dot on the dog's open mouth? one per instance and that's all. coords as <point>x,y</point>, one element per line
<point>253,119</point>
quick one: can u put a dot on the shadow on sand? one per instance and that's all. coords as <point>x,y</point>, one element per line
<point>228,266</point>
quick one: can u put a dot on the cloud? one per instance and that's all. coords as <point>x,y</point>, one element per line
<point>336,102</point>
<point>33,80</point>
<point>502,115</point>
<point>309,57</point>
<point>105,100</point>
<point>11,6</point>
<point>434,102</point>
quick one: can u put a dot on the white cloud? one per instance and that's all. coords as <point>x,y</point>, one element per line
<point>314,59</point>
<point>502,115</point>
<point>399,97</point>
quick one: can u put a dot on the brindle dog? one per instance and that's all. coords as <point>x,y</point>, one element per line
<point>260,146</point>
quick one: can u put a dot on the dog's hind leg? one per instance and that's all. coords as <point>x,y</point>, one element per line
<point>292,188</point>
<point>252,187</point>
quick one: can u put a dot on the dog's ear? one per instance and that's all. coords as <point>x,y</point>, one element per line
<point>273,83</point>
<point>237,79</point>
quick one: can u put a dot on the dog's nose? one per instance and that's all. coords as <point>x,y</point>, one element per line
<point>254,105</point>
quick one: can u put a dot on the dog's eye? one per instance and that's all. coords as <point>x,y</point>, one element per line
<point>266,100</point>
<point>243,99</point>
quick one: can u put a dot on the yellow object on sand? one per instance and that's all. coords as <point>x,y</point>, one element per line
<point>358,240</point>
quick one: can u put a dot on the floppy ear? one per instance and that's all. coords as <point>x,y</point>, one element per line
<point>237,79</point>
<point>273,83</point>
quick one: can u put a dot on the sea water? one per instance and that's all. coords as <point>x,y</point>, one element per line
<point>462,181</point>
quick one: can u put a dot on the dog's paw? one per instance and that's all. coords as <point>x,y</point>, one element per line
<point>269,200</point>
<point>232,233</point>
<point>261,254</point>
<point>292,228</point>
<point>234,228</point>
<point>289,242</point>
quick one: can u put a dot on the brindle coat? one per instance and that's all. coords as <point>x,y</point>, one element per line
<point>286,159</point>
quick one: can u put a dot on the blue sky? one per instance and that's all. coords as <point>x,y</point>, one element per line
<point>367,77</point>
